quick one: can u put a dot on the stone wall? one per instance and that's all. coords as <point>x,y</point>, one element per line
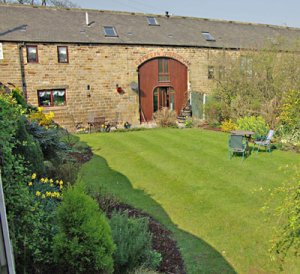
<point>101,67</point>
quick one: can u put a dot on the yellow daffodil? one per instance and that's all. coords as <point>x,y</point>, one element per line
<point>42,180</point>
<point>60,187</point>
<point>48,194</point>
<point>30,184</point>
<point>38,193</point>
<point>43,196</point>
<point>33,176</point>
<point>51,181</point>
<point>61,182</point>
<point>46,180</point>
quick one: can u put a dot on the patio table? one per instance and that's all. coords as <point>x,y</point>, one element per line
<point>248,134</point>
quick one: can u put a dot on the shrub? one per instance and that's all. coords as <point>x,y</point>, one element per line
<point>289,139</point>
<point>47,196</point>
<point>41,118</point>
<point>188,122</point>
<point>165,117</point>
<point>133,240</point>
<point>290,111</point>
<point>68,171</point>
<point>17,197</point>
<point>49,140</point>
<point>228,126</point>
<point>83,243</point>
<point>286,237</point>
<point>29,148</point>
<point>213,112</point>
<point>252,123</point>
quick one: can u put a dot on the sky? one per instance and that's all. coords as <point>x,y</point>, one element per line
<point>274,12</point>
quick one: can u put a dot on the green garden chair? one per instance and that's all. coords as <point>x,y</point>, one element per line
<point>237,144</point>
<point>264,142</point>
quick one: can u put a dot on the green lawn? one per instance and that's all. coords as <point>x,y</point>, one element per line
<point>185,180</point>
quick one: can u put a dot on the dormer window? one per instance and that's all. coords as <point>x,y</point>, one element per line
<point>152,21</point>
<point>207,36</point>
<point>110,31</point>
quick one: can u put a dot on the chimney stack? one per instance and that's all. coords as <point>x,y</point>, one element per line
<point>87,18</point>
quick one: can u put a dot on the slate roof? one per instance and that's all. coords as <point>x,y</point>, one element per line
<point>61,25</point>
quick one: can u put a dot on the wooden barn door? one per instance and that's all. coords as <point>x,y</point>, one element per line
<point>162,83</point>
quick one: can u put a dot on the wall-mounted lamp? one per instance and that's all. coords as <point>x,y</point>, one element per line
<point>119,88</point>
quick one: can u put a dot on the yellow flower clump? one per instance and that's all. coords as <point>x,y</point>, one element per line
<point>42,118</point>
<point>55,193</point>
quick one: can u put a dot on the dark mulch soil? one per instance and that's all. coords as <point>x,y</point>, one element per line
<point>162,241</point>
<point>208,127</point>
<point>82,157</point>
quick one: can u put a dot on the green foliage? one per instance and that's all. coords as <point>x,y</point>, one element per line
<point>29,148</point>
<point>14,176</point>
<point>68,171</point>
<point>83,243</point>
<point>213,111</point>
<point>289,138</point>
<point>133,240</point>
<point>255,124</point>
<point>256,82</point>
<point>165,117</point>
<point>228,126</point>
<point>49,140</point>
<point>16,94</point>
<point>188,122</point>
<point>287,231</point>
<point>290,110</point>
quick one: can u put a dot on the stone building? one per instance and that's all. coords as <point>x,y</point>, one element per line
<point>82,63</point>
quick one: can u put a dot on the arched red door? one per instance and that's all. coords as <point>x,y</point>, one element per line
<point>162,83</point>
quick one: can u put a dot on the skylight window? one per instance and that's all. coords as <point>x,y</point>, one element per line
<point>152,21</point>
<point>110,32</point>
<point>207,36</point>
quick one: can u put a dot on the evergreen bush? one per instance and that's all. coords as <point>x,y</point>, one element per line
<point>133,240</point>
<point>83,243</point>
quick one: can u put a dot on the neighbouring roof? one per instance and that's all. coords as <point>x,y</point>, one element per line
<point>62,25</point>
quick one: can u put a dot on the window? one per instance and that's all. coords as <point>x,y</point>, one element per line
<point>207,36</point>
<point>62,54</point>
<point>246,65</point>
<point>32,54</point>
<point>110,32</point>
<point>152,21</point>
<point>50,98</point>
<point>163,70</point>
<point>211,72</point>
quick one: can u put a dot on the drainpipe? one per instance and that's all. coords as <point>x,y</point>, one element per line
<point>22,68</point>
